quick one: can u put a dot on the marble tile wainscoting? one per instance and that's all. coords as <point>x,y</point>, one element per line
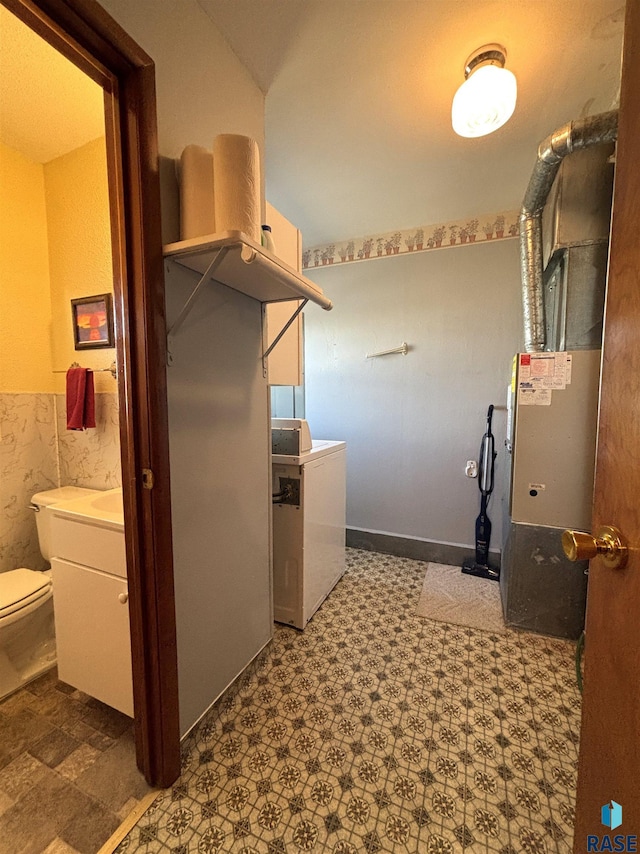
<point>28,464</point>
<point>37,452</point>
<point>90,458</point>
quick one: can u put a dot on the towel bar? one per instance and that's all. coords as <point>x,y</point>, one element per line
<point>404,349</point>
<point>113,369</point>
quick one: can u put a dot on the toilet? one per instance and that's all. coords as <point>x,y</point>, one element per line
<point>27,639</point>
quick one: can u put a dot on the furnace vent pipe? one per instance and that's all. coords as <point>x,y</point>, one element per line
<point>593,130</point>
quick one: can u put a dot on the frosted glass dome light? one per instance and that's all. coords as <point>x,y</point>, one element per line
<point>487,98</point>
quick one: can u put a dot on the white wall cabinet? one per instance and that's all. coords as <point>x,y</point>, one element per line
<point>285,363</point>
<point>92,633</point>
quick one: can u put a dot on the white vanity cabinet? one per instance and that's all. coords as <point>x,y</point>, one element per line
<point>92,633</point>
<point>90,598</point>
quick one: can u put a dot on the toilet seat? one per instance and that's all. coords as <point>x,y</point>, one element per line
<point>20,588</point>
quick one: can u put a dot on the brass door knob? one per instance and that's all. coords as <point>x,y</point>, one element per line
<point>607,542</point>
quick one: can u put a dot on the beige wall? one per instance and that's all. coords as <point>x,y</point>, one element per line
<point>202,87</point>
<point>77,202</point>
<point>43,263</point>
<point>55,245</point>
<point>25,308</point>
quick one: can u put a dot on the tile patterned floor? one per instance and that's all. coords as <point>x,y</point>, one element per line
<point>376,730</point>
<point>67,770</point>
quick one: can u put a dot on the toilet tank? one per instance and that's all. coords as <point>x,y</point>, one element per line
<point>42,500</point>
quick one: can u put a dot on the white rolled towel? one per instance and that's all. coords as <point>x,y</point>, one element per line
<point>197,205</point>
<point>236,169</point>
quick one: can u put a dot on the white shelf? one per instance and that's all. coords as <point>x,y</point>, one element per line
<point>246,267</point>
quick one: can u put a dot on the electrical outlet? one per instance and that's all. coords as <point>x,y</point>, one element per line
<point>290,485</point>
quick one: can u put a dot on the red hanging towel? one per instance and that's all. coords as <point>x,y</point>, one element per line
<point>89,402</point>
<point>81,407</point>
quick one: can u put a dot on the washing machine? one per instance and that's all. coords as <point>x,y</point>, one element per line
<point>308,528</point>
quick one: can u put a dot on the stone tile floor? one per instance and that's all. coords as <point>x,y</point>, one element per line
<point>377,730</point>
<point>67,770</point>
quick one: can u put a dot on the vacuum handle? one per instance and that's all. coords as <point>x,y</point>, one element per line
<point>489,417</point>
<point>487,457</point>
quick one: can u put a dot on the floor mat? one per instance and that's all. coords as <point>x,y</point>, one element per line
<point>451,596</point>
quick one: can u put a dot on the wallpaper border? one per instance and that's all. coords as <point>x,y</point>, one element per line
<point>442,235</point>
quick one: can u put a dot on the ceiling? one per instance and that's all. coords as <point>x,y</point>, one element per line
<point>358,101</point>
<point>48,107</point>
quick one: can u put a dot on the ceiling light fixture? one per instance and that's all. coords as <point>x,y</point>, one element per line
<point>487,98</point>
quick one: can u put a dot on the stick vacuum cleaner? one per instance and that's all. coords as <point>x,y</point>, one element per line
<point>480,565</point>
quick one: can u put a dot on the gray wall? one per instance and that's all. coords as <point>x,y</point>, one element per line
<point>204,90</point>
<point>412,421</point>
<point>220,489</point>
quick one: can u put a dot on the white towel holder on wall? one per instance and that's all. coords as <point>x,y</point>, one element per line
<point>404,349</point>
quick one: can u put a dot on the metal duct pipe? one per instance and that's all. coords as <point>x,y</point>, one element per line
<point>594,130</point>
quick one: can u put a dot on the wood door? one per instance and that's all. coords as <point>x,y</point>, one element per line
<point>609,765</point>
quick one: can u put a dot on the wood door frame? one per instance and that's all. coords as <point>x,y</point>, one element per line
<point>87,35</point>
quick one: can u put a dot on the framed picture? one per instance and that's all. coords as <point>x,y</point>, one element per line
<point>92,322</point>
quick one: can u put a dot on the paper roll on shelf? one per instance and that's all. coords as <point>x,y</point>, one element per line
<point>197,206</point>
<point>236,169</point>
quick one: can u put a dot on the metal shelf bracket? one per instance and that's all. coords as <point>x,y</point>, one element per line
<point>177,323</point>
<point>265,355</point>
